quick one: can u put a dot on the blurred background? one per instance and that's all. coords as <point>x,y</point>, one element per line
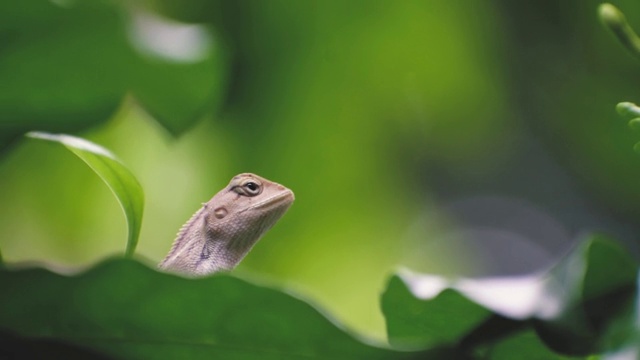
<point>449,137</point>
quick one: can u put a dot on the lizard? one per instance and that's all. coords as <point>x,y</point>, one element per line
<point>224,229</point>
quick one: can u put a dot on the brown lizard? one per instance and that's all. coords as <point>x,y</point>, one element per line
<point>223,231</point>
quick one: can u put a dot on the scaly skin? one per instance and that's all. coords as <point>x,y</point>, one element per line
<point>221,233</point>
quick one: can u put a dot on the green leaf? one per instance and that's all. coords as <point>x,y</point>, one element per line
<point>595,285</point>
<point>55,76</point>
<point>573,307</point>
<point>184,92</point>
<point>65,68</point>
<point>177,84</point>
<point>117,177</point>
<point>527,346</point>
<point>414,323</point>
<point>125,310</point>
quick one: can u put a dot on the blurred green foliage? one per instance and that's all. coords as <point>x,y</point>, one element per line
<point>353,105</point>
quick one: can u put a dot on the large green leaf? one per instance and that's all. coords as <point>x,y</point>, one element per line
<point>117,177</point>
<point>177,94</point>
<point>574,307</point>
<point>65,68</point>
<point>125,310</point>
<point>60,67</point>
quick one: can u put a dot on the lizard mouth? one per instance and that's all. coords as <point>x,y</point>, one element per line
<point>285,197</point>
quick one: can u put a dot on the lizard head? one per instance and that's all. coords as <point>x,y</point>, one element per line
<point>244,210</point>
<point>223,231</point>
<point>251,193</point>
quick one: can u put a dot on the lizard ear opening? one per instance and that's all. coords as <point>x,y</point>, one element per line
<point>220,212</point>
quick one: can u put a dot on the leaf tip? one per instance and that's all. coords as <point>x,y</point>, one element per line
<point>40,135</point>
<point>72,142</point>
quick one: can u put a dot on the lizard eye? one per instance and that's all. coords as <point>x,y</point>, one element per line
<point>249,188</point>
<point>252,188</point>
